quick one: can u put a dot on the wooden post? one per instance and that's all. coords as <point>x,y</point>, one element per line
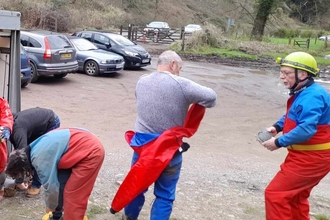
<point>129,31</point>
<point>55,24</point>
<point>315,40</point>
<point>182,33</point>
<point>121,29</point>
<point>289,40</point>
<point>326,42</point>
<point>135,32</point>
<point>182,45</point>
<point>294,42</point>
<point>307,43</point>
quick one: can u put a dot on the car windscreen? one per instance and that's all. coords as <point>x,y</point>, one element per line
<point>83,45</point>
<point>156,24</point>
<point>121,40</point>
<point>192,26</point>
<point>58,42</point>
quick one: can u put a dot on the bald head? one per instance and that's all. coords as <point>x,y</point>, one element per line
<point>169,61</point>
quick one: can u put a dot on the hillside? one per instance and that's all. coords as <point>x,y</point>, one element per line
<point>105,14</point>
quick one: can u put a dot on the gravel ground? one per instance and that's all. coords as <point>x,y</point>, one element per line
<point>224,172</point>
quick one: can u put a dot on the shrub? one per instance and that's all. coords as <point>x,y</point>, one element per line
<point>281,33</point>
<point>307,34</point>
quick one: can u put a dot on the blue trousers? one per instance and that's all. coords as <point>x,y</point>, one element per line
<point>164,190</point>
<point>36,183</point>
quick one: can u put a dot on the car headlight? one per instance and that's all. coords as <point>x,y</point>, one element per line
<point>104,61</point>
<point>129,53</point>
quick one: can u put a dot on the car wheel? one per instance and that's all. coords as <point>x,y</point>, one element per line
<point>34,73</point>
<point>60,75</point>
<point>24,84</point>
<point>91,68</point>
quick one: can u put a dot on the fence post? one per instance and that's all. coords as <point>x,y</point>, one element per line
<point>183,38</point>
<point>294,42</point>
<point>129,31</point>
<point>121,29</point>
<point>182,33</point>
<point>289,40</point>
<point>135,32</point>
<point>326,42</point>
<point>307,43</point>
<point>55,24</point>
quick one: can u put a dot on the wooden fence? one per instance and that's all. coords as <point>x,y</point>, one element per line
<point>151,35</point>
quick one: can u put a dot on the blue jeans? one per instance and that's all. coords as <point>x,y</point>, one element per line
<point>36,183</point>
<point>164,190</point>
<point>56,124</point>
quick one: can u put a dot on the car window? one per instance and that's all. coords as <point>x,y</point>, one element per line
<point>156,24</point>
<point>29,42</point>
<point>34,43</point>
<point>100,39</point>
<point>24,40</point>
<point>121,40</point>
<point>87,36</point>
<point>58,42</point>
<point>83,44</point>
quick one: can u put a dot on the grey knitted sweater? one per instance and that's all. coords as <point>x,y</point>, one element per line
<point>163,100</point>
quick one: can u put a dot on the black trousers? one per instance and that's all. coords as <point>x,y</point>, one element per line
<point>63,176</point>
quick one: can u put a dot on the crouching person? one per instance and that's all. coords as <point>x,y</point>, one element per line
<point>67,160</point>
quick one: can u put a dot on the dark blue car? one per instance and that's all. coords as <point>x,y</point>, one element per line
<point>25,68</point>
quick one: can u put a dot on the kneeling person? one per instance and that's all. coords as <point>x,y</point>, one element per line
<point>30,124</point>
<point>75,150</point>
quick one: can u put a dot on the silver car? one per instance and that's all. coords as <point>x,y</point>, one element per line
<point>50,53</point>
<point>94,61</point>
<point>325,37</point>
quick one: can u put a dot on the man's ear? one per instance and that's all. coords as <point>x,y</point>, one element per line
<point>303,74</point>
<point>172,65</point>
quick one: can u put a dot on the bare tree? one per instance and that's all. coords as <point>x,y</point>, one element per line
<point>264,9</point>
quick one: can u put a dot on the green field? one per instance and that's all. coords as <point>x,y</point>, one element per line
<point>270,47</point>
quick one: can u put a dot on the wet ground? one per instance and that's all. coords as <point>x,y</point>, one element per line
<point>224,172</point>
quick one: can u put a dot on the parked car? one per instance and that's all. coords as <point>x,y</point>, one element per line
<point>25,68</point>
<point>323,37</point>
<point>94,61</point>
<point>190,28</point>
<point>134,54</point>
<point>50,53</point>
<point>159,25</point>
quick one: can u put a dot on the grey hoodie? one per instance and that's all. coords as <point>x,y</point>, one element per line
<point>163,100</point>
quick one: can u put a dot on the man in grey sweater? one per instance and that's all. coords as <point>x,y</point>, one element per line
<point>163,99</point>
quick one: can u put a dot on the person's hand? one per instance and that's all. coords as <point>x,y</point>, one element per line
<point>272,130</point>
<point>49,210</point>
<point>5,133</point>
<point>23,186</point>
<point>270,144</point>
